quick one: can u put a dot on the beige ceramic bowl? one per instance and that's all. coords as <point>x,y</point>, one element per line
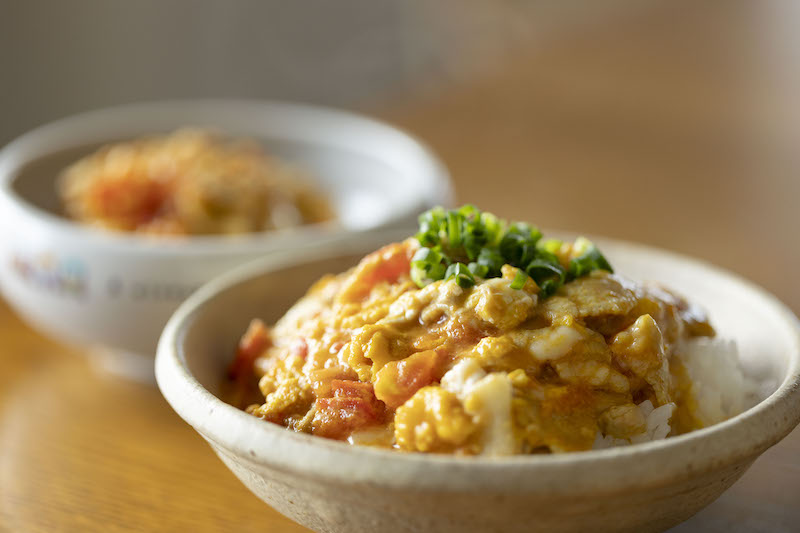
<point>332,487</point>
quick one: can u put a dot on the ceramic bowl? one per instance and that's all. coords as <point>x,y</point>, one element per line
<point>80,284</point>
<point>332,487</point>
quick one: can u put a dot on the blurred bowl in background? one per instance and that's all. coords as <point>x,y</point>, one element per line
<point>116,291</point>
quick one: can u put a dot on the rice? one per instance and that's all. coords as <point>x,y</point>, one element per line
<point>721,390</point>
<point>720,387</point>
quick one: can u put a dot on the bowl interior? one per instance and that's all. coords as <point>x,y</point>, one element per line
<point>373,173</point>
<point>738,310</point>
<point>266,297</point>
<point>359,187</point>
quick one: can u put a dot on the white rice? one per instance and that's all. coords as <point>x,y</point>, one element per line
<point>719,385</point>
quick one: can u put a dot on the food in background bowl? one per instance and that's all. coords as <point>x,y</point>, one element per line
<point>481,337</point>
<point>115,290</point>
<point>189,182</point>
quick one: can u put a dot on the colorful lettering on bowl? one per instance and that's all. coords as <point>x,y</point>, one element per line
<point>44,271</point>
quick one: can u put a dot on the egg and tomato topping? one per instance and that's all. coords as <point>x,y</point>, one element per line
<point>488,365</point>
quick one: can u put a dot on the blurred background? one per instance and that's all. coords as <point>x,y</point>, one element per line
<point>67,57</point>
<point>665,122</point>
<point>672,123</point>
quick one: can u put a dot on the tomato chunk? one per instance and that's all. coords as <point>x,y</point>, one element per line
<point>397,381</point>
<point>322,379</point>
<point>129,203</point>
<point>387,264</point>
<point>352,407</point>
<point>253,343</point>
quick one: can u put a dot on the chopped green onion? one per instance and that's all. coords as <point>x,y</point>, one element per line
<point>427,267</point>
<point>589,259</point>
<point>550,245</point>
<point>468,210</point>
<point>540,269</point>
<point>473,244</point>
<point>548,288</point>
<point>419,276</point>
<point>430,224</point>
<point>451,270</point>
<point>492,260</point>
<point>465,243</point>
<point>527,253</point>
<point>454,229</point>
<point>461,274</point>
<point>519,280</point>
<point>548,275</point>
<point>494,227</point>
<point>478,270</point>
<point>581,245</point>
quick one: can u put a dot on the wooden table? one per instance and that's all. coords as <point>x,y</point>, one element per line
<point>81,451</point>
<point>652,129</point>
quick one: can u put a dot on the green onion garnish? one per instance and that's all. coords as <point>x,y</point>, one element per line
<point>519,280</point>
<point>464,244</point>
<point>589,259</point>
<point>461,273</point>
<point>548,274</point>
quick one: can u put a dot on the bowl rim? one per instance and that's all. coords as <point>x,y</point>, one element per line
<point>260,444</point>
<point>11,162</point>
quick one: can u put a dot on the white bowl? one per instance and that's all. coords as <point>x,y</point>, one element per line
<point>333,487</point>
<point>82,285</point>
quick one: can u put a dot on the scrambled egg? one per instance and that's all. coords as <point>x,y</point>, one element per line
<point>368,357</point>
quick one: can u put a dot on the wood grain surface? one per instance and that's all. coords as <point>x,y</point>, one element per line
<point>675,127</point>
